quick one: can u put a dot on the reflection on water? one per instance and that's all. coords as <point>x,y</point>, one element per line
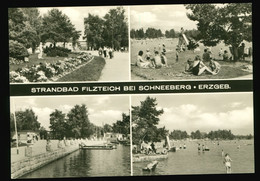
<point>88,163</point>
<point>190,161</point>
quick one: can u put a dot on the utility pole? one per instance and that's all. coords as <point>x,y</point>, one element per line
<point>15,128</point>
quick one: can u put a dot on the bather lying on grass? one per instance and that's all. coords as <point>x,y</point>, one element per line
<point>214,66</point>
<point>197,67</point>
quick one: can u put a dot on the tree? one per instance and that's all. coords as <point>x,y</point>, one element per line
<point>221,134</point>
<point>75,37</point>
<point>123,126</point>
<point>178,135</point>
<point>153,33</point>
<point>78,122</point>
<point>140,33</point>
<point>33,27</point>
<point>58,124</point>
<point>25,120</point>
<point>133,34</point>
<point>170,34</point>
<point>145,118</point>
<point>161,134</point>
<point>43,133</point>
<point>231,23</point>
<point>196,135</point>
<point>116,28</point>
<point>19,33</point>
<point>57,27</point>
<point>192,34</point>
<point>107,128</point>
<point>24,26</point>
<point>94,27</point>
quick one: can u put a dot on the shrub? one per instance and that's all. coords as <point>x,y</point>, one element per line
<point>17,50</point>
<point>56,51</point>
<point>45,71</point>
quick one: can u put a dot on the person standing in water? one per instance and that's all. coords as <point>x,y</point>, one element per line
<point>227,162</point>
<point>198,147</point>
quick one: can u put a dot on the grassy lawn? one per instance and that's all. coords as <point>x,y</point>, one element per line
<point>33,60</point>
<point>176,69</point>
<point>89,72</point>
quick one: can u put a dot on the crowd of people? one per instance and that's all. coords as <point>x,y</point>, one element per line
<point>159,59</point>
<point>106,52</point>
<point>196,67</point>
<point>206,64</point>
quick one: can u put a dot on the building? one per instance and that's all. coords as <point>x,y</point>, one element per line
<point>113,136</point>
<point>27,136</point>
<point>81,45</point>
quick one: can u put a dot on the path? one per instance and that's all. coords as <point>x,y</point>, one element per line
<point>117,68</point>
<point>39,147</point>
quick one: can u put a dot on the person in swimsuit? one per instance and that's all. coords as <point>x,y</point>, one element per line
<point>141,62</point>
<point>227,161</point>
<point>197,67</point>
<point>214,66</point>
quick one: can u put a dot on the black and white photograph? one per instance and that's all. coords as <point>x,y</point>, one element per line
<point>191,41</point>
<point>125,90</point>
<point>68,44</point>
<point>73,136</point>
<point>193,134</point>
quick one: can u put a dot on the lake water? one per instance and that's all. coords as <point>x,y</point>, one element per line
<point>190,161</point>
<point>88,163</point>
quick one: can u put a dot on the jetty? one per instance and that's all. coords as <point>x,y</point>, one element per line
<point>150,157</point>
<point>97,147</point>
<point>29,158</point>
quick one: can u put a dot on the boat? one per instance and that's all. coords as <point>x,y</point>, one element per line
<point>206,149</point>
<point>114,146</point>
<point>124,142</point>
<point>114,142</point>
<point>172,149</point>
<point>151,166</point>
<point>96,147</point>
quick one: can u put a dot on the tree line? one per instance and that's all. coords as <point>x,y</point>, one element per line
<point>74,124</point>
<point>230,23</point>
<point>110,30</point>
<point>27,28</point>
<point>145,118</point>
<point>157,33</point>
<point>212,135</point>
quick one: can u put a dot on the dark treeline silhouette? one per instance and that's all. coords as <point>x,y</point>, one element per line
<point>212,135</point>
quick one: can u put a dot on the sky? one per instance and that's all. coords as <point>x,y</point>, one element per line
<point>77,14</point>
<point>186,112</point>
<point>102,109</point>
<point>205,112</point>
<point>164,17</point>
